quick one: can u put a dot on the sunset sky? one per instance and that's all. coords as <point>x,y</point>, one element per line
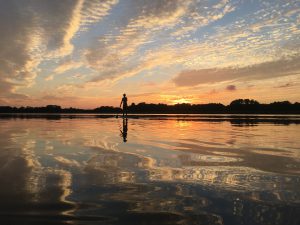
<point>87,53</point>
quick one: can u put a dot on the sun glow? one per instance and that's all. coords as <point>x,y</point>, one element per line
<point>177,99</point>
<point>181,101</point>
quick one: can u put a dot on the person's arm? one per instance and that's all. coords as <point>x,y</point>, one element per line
<point>121,103</point>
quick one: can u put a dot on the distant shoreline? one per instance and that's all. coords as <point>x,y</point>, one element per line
<point>239,106</point>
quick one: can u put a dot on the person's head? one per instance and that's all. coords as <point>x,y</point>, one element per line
<point>124,94</point>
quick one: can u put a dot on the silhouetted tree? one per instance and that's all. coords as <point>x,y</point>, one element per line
<point>244,102</point>
<point>236,106</point>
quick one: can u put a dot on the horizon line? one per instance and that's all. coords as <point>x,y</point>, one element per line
<point>184,103</point>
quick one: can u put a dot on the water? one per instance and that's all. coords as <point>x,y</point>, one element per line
<point>150,170</point>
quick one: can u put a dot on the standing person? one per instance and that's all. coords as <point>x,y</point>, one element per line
<point>124,102</point>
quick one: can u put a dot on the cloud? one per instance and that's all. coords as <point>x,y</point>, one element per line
<point>161,25</point>
<point>120,56</point>
<point>231,88</point>
<point>67,65</point>
<point>34,31</point>
<point>94,10</point>
<point>266,70</point>
<point>55,24</point>
<point>16,63</point>
<point>23,34</point>
<point>113,51</point>
<point>285,85</point>
<point>202,14</point>
<point>54,98</point>
<point>49,77</point>
<point>59,21</point>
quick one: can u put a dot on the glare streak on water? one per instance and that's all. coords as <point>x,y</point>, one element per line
<point>154,170</point>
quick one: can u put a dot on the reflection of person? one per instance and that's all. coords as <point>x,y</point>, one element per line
<point>124,102</point>
<point>125,129</point>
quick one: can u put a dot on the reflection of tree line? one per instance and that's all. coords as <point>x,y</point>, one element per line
<point>235,120</point>
<point>236,106</point>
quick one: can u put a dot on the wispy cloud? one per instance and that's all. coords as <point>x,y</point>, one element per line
<point>94,11</point>
<point>66,65</point>
<point>278,68</point>
<point>120,56</point>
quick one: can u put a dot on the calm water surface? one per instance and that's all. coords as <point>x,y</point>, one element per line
<point>151,170</point>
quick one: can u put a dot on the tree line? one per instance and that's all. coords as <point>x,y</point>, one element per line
<point>237,106</point>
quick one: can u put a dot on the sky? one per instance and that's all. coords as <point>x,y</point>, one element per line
<point>87,53</point>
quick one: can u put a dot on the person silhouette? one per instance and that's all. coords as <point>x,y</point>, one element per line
<point>125,129</point>
<point>124,103</point>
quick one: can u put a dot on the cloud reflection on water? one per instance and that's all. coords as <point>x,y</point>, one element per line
<point>168,171</point>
